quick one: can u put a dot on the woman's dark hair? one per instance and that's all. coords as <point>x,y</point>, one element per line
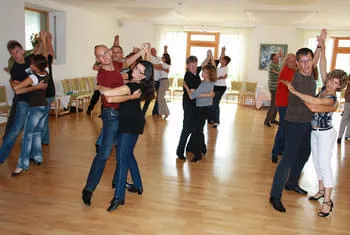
<point>191,59</point>
<point>147,84</point>
<point>167,59</point>
<point>227,59</point>
<point>39,61</point>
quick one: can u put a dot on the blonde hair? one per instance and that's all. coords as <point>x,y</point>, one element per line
<point>338,74</point>
<point>211,69</point>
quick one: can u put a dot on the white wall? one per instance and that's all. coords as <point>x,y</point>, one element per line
<point>134,33</point>
<point>84,29</point>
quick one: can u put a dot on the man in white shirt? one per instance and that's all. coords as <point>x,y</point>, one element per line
<point>157,77</point>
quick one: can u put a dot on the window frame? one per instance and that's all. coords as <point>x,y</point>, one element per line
<point>338,50</point>
<point>196,43</point>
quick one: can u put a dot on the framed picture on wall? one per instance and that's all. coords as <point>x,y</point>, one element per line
<point>266,50</point>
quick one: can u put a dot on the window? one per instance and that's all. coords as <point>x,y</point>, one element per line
<point>341,54</point>
<point>35,21</point>
<point>198,43</point>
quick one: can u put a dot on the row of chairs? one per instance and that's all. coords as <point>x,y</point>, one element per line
<point>242,90</point>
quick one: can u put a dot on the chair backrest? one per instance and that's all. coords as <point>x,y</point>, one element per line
<point>251,87</point>
<point>3,95</point>
<point>83,84</point>
<point>92,83</point>
<point>180,82</point>
<point>67,88</point>
<point>236,86</point>
<point>171,81</point>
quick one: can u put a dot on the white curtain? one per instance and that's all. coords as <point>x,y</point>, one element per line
<point>34,22</point>
<point>176,39</point>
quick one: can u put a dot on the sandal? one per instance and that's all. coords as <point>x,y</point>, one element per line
<point>330,205</point>
<point>317,196</point>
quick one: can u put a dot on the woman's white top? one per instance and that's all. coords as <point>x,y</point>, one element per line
<point>221,71</point>
<point>164,74</point>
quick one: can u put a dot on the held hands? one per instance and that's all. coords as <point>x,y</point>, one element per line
<point>211,94</point>
<point>289,86</point>
<point>136,94</point>
<point>42,85</point>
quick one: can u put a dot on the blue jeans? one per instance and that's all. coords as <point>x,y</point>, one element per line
<point>296,154</point>
<point>31,141</point>
<point>280,138</point>
<point>15,130</point>
<point>126,160</point>
<point>45,134</point>
<point>110,118</point>
<point>214,113</point>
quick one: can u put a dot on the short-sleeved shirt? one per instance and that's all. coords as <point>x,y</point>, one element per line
<point>323,120</point>
<point>192,81</point>
<point>282,92</point>
<point>164,74</point>
<point>273,77</point>
<point>37,97</point>
<point>19,72</point>
<point>204,87</point>
<point>156,74</point>
<point>131,118</point>
<point>221,71</point>
<point>50,90</point>
<point>110,79</point>
<point>297,110</point>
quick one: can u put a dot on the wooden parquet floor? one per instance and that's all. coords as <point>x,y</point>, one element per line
<point>225,193</point>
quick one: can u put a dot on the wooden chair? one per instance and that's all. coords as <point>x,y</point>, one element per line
<point>4,107</point>
<point>235,90</point>
<point>168,92</point>
<point>248,92</point>
<point>179,87</point>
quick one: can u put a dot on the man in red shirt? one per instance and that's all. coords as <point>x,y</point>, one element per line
<point>108,76</point>
<point>286,74</point>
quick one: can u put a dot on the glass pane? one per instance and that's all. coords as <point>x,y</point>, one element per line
<point>201,52</point>
<point>34,22</point>
<point>343,62</point>
<point>344,43</point>
<point>203,37</point>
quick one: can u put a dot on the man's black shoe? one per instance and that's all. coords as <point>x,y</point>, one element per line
<point>87,197</point>
<point>275,122</point>
<point>277,204</point>
<point>296,189</point>
<point>114,204</point>
<point>274,158</point>
<point>181,157</point>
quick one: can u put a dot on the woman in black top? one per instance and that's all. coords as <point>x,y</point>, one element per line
<point>131,125</point>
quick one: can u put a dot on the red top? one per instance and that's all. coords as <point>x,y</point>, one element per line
<point>282,91</point>
<point>111,79</point>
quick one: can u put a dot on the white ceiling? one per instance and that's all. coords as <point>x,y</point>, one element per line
<point>300,13</point>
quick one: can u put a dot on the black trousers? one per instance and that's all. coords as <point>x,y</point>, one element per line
<point>296,153</point>
<point>199,146</point>
<point>187,126</point>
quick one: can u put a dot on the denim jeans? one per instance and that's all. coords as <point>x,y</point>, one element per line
<point>280,138</point>
<point>126,160</point>
<point>31,141</point>
<point>110,118</point>
<point>45,134</point>
<point>296,154</point>
<point>15,130</point>
<point>214,113</point>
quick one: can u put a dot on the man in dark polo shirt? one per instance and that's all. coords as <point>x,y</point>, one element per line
<point>298,131</point>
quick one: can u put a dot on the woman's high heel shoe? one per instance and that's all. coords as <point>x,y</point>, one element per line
<point>17,172</point>
<point>320,195</point>
<point>325,214</point>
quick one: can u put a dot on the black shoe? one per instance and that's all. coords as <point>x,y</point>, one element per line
<point>274,158</point>
<point>34,162</point>
<point>296,189</point>
<point>134,189</point>
<point>114,204</point>
<point>320,195</point>
<point>275,122</point>
<point>181,157</point>
<point>267,124</point>
<point>18,172</point>
<point>196,158</point>
<point>277,204</point>
<point>86,197</point>
<point>88,112</point>
<point>339,140</point>
<point>97,147</point>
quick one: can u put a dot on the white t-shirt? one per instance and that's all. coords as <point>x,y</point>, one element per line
<point>35,78</point>
<point>155,60</point>
<point>221,71</point>
<point>164,74</point>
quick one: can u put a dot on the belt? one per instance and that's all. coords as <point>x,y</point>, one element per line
<point>162,79</point>
<point>321,129</point>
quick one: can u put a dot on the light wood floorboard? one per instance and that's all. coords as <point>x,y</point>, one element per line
<point>225,193</point>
